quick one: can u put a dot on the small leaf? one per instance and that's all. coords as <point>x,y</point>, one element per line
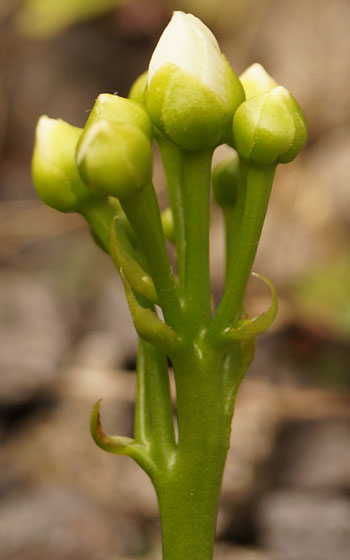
<point>147,323</point>
<point>119,445</point>
<point>250,328</point>
<point>138,278</point>
<point>112,444</point>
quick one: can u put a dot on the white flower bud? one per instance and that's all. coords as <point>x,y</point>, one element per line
<point>192,90</point>
<point>256,80</point>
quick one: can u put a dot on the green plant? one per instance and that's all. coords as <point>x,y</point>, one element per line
<point>189,102</point>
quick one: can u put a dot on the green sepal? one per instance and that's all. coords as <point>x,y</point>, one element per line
<point>187,112</point>
<point>269,128</point>
<point>54,171</point>
<point>116,109</point>
<point>251,328</point>
<point>115,158</point>
<point>140,281</point>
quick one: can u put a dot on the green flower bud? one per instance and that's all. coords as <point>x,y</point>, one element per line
<point>115,158</point>
<point>256,80</point>
<point>226,179</point>
<point>115,109</point>
<point>168,224</point>
<point>55,174</point>
<point>137,91</point>
<point>192,91</point>
<point>269,128</point>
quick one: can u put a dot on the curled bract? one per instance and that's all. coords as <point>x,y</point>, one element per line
<point>112,444</point>
<point>121,253</point>
<point>118,445</point>
<point>252,327</point>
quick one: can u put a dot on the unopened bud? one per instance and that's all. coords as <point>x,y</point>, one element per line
<point>115,158</point>
<point>55,174</point>
<point>192,91</point>
<point>269,128</point>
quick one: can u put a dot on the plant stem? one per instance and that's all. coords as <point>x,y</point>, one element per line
<point>196,169</point>
<point>142,210</point>
<point>189,493</point>
<point>142,429</point>
<point>159,401</point>
<point>99,215</point>
<point>171,158</point>
<point>244,247</point>
<point>233,214</point>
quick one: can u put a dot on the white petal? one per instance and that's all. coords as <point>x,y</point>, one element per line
<point>44,132</point>
<point>187,43</point>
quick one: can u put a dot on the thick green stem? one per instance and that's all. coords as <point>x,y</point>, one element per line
<point>196,169</point>
<point>171,158</point>
<point>142,210</point>
<point>188,504</point>
<point>189,493</point>
<point>244,247</point>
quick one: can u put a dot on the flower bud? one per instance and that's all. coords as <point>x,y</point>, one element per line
<point>137,91</point>
<point>115,158</point>
<point>192,91</point>
<point>54,170</point>
<point>226,180</point>
<point>116,109</point>
<point>269,128</point>
<point>168,224</point>
<point>256,80</point>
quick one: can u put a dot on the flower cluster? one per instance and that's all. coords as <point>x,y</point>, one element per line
<point>192,97</point>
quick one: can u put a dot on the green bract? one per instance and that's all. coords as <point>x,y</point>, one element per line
<point>116,109</point>
<point>192,91</point>
<point>269,128</point>
<point>115,158</point>
<point>226,179</point>
<point>54,170</point>
<point>256,80</point>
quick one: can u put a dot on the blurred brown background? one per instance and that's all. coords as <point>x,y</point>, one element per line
<point>66,337</point>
